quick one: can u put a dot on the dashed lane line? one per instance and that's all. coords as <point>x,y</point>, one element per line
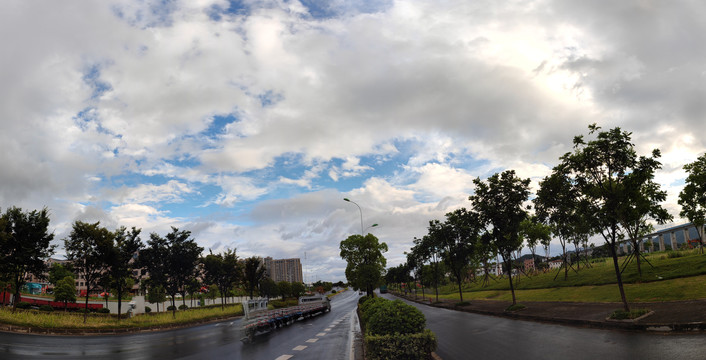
<point>321,334</point>
<point>284,357</point>
<point>313,340</point>
<point>300,348</point>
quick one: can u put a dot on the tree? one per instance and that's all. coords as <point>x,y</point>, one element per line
<point>601,171</point>
<point>24,246</point>
<point>156,295</point>
<point>557,204</point>
<point>253,271</point>
<point>87,247</point>
<point>498,205</point>
<point>65,291</point>
<point>285,289</point>
<point>457,238</point>
<point>366,263</point>
<point>223,270</point>
<point>120,262</point>
<point>58,272</point>
<point>534,232</point>
<point>692,197</point>
<point>298,289</point>
<point>171,261</point>
<point>268,288</point>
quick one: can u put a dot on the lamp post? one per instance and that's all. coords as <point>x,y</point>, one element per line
<point>362,230</point>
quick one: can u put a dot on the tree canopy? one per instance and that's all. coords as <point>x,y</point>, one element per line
<point>366,264</point>
<point>692,198</point>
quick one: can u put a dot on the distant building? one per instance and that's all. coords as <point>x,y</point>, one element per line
<point>555,264</point>
<point>289,270</point>
<point>529,265</point>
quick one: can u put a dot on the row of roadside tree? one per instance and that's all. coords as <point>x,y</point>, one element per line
<point>601,188</point>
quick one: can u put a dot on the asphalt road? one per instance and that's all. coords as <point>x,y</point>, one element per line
<point>326,336</point>
<point>472,336</point>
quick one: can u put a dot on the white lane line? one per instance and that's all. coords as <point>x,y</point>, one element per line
<point>312,340</point>
<point>327,329</point>
<point>321,334</point>
<point>284,357</point>
<point>300,348</point>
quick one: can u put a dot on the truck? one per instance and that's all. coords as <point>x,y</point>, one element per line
<point>259,320</point>
<point>383,289</point>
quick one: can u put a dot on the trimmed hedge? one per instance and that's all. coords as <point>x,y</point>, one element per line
<point>395,330</point>
<point>417,346</point>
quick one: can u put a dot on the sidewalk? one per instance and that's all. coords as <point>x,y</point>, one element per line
<point>665,316</point>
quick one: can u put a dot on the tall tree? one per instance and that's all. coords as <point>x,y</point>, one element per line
<point>285,289</point>
<point>87,247</point>
<point>601,170</point>
<point>298,289</point>
<point>253,271</point>
<point>557,204</point>
<point>65,291</point>
<point>171,261</point>
<point>365,262</point>
<point>223,270</point>
<point>533,232</point>
<point>268,288</point>
<point>58,272</point>
<point>692,197</point>
<point>24,246</point>
<point>498,204</point>
<point>121,261</point>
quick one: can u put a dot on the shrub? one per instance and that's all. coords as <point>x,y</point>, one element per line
<point>183,307</point>
<point>409,346</point>
<point>632,314</point>
<point>674,254</point>
<point>104,311</point>
<point>171,308</point>
<point>23,305</point>
<point>46,308</point>
<point>516,307</point>
<point>395,317</point>
<point>368,308</point>
<point>333,291</point>
<point>148,309</point>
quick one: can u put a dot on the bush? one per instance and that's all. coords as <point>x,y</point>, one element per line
<point>368,308</point>
<point>46,308</point>
<point>104,311</point>
<point>403,347</point>
<point>674,254</point>
<point>23,305</point>
<point>171,308</point>
<point>632,314</point>
<point>183,307</point>
<point>393,317</point>
<point>148,309</point>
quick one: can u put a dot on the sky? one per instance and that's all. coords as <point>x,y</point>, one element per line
<point>247,122</point>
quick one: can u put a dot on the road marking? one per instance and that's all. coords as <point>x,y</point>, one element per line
<point>327,329</point>
<point>321,334</point>
<point>312,340</point>
<point>300,348</point>
<point>284,357</point>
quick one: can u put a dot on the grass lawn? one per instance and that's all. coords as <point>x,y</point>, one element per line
<point>668,279</point>
<point>61,320</point>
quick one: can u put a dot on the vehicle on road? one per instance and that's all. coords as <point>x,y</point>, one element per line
<point>260,320</point>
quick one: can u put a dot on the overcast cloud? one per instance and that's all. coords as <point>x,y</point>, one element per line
<point>247,122</point>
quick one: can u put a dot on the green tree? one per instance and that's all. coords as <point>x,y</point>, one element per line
<point>24,246</point>
<point>156,294</point>
<point>298,289</point>
<point>253,272</point>
<point>366,263</point>
<point>223,270</point>
<point>65,291</point>
<point>285,289</point>
<point>120,262</point>
<point>692,197</point>
<point>498,204</point>
<point>58,272</point>
<point>534,232</point>
<point>268,288</point>
<point>557,204</point>
<point>213,292</point>
<point>171,262</point>
<point>601,170</point>
<point>87,247</point>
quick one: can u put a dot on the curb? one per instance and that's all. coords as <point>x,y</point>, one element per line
<point>607,324</point>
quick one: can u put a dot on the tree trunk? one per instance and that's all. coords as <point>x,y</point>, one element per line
<point>509,268</point>
<point>460,292</point>
<point>85,310</point>
<point>173,306</point>
<point>618,275</point>
<point>120,300</point>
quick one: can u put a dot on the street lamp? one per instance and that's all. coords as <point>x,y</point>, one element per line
<point>371,226</point>
<point>362,231</point>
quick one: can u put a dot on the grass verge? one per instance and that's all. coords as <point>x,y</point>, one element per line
<point>61,320</point>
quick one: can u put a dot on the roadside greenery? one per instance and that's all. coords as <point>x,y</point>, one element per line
<point>60,320</point>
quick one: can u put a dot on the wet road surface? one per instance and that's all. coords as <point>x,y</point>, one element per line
<point>326,336</point>
<point>473,336</point>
